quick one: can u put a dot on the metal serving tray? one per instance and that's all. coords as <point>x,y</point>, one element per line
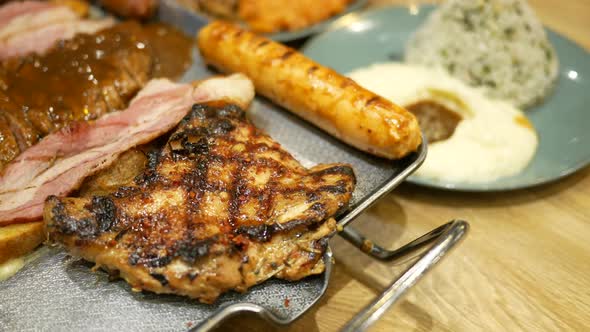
<point>58,293</point>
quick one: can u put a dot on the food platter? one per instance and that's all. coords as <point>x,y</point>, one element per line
<point>170,11</point>
<point>58,292</point>
<point>73,298</point>
<point>358,40</point>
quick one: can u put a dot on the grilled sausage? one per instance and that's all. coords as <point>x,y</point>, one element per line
<point>317,94</point>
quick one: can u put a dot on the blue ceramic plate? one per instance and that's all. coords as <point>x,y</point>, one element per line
<point>562,121</point>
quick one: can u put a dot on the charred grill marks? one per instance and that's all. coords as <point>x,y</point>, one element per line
<point>63,222</point>
<point>191,249</point>
<point>104,210</point>
<point>340,169</point>
<point>149,260</point>
<point>160,277</point>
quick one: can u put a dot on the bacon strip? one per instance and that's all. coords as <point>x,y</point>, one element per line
<point>36,17</point>
<point>32,26</point>
<point>58,164</point>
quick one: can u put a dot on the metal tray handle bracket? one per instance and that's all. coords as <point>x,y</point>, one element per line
<point>444,238</point>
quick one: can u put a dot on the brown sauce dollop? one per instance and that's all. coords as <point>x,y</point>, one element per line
<point>436,121</point>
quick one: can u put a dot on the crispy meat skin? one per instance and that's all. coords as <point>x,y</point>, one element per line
<point>221,207</point>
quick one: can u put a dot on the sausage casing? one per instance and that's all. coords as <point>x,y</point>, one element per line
<point>318,94</point>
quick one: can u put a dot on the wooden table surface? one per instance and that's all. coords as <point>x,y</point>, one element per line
<point>525,265</point>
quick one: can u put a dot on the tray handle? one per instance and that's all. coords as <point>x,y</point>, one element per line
<point>444,237</point>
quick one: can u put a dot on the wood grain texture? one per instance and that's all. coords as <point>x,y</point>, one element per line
<point>525,265</point>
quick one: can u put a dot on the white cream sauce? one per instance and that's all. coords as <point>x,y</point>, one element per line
<point>493,140</point>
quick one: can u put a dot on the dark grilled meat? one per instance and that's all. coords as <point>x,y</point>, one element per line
<point>82,79</point>
<point>221,207</point>
<point>9,146</point>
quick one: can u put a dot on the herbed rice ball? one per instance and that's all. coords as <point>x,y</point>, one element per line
<point>498,45</point>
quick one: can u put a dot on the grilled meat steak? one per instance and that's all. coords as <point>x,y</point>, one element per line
<point>81,79</point>
<point>221,207</point>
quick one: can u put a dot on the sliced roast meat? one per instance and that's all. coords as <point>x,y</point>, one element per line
<point>9,147</point>
<point>41,38</point>
<point>86,77</point>
<point>80,79</point>
<point>20,128</point>
<point>58,163</point>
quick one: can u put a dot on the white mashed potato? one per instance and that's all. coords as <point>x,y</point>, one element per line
<point>493,139</point>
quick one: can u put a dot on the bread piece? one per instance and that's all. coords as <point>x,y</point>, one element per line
<point>20,239</point>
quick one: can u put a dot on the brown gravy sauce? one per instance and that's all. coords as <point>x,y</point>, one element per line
<point>437,122</point>
<point>64,84</point>
<point>171,48</point>
<point>85,77</point>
